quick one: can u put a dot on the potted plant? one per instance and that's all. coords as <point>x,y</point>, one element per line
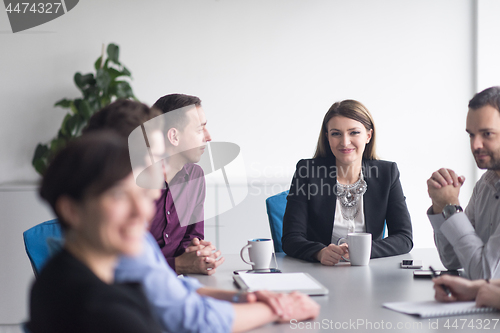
<point>98,90</point>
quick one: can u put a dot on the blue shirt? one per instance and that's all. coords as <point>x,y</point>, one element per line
<point>174,302</point>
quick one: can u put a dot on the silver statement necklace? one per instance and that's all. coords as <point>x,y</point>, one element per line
<point>349,197</point>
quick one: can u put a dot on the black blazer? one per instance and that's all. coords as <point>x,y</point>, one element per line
<point>310,209</point>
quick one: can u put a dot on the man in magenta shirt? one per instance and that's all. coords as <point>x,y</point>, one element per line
<point>178,225</point>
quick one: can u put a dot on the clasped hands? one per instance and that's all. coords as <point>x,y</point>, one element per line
<point>200,257</point>
<point>444,188</point>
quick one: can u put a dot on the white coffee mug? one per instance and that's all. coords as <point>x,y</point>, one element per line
<point>360,248</point>
<point>260,251</point>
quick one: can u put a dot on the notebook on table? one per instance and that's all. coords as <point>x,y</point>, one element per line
<point>431,309</point>
<point>283,283</point>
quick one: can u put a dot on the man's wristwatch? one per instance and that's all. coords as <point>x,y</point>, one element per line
<point>450,209</point>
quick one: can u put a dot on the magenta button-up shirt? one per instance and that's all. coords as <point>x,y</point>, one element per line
<point>179,212</point>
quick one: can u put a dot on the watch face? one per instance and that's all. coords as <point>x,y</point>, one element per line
<point>449,210</point>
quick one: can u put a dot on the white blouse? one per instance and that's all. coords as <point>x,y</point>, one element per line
<point>341,226</point>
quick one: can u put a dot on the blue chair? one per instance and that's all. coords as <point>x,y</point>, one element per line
<point>276,205</point>
<point>25,328</point>
<point>42,242</point>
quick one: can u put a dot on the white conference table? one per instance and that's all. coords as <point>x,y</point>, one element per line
<point>356,294</point>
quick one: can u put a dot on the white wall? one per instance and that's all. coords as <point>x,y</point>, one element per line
<point>267,71</point>
<point>488,48</point>
<point>488,66</point>
<point>16,274</point>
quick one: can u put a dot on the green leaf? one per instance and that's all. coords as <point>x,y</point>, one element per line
<point>82,81</point>
<point>73,107</point>
<point>94,103</point>
<point>105,100</point>
<point>103,80</point>
<point>57,144</point>
<point>76,106</point>
<point>40,166</point>
<point>78,80</point>
<point>64,103</point>
<point>126,72</point>
<point>97,63</point>
<point>113,73</point>
<point>64,126</point>
<point>41,158</point>
<point>74,124</point>
<point>84,110</point>
<point>91,93</point>
<point>40,152</point>
<point>71,126</point>
<point>113,53</point>
<point>122,89</point>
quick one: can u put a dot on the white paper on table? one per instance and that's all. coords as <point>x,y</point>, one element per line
<point>281,282</point>
<point>430,309</point>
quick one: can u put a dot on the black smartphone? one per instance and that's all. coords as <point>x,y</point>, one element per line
<point>410,263</point>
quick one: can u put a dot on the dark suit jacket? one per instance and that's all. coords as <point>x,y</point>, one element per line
<point>310,209</point>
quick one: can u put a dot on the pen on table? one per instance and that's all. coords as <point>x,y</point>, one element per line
<point>445,288</point>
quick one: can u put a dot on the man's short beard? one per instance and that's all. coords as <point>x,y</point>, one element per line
<point>493,164</point>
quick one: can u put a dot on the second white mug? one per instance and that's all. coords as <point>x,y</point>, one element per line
<point>260,251</point>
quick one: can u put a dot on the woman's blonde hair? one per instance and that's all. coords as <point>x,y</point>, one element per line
<point>350,109</point>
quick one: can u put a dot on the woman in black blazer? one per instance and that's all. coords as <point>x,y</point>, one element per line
<point>344,188</point>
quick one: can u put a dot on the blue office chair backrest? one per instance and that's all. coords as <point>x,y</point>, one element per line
<point>275,211</point>
<point>42,242</point>
<point>25,328</point>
